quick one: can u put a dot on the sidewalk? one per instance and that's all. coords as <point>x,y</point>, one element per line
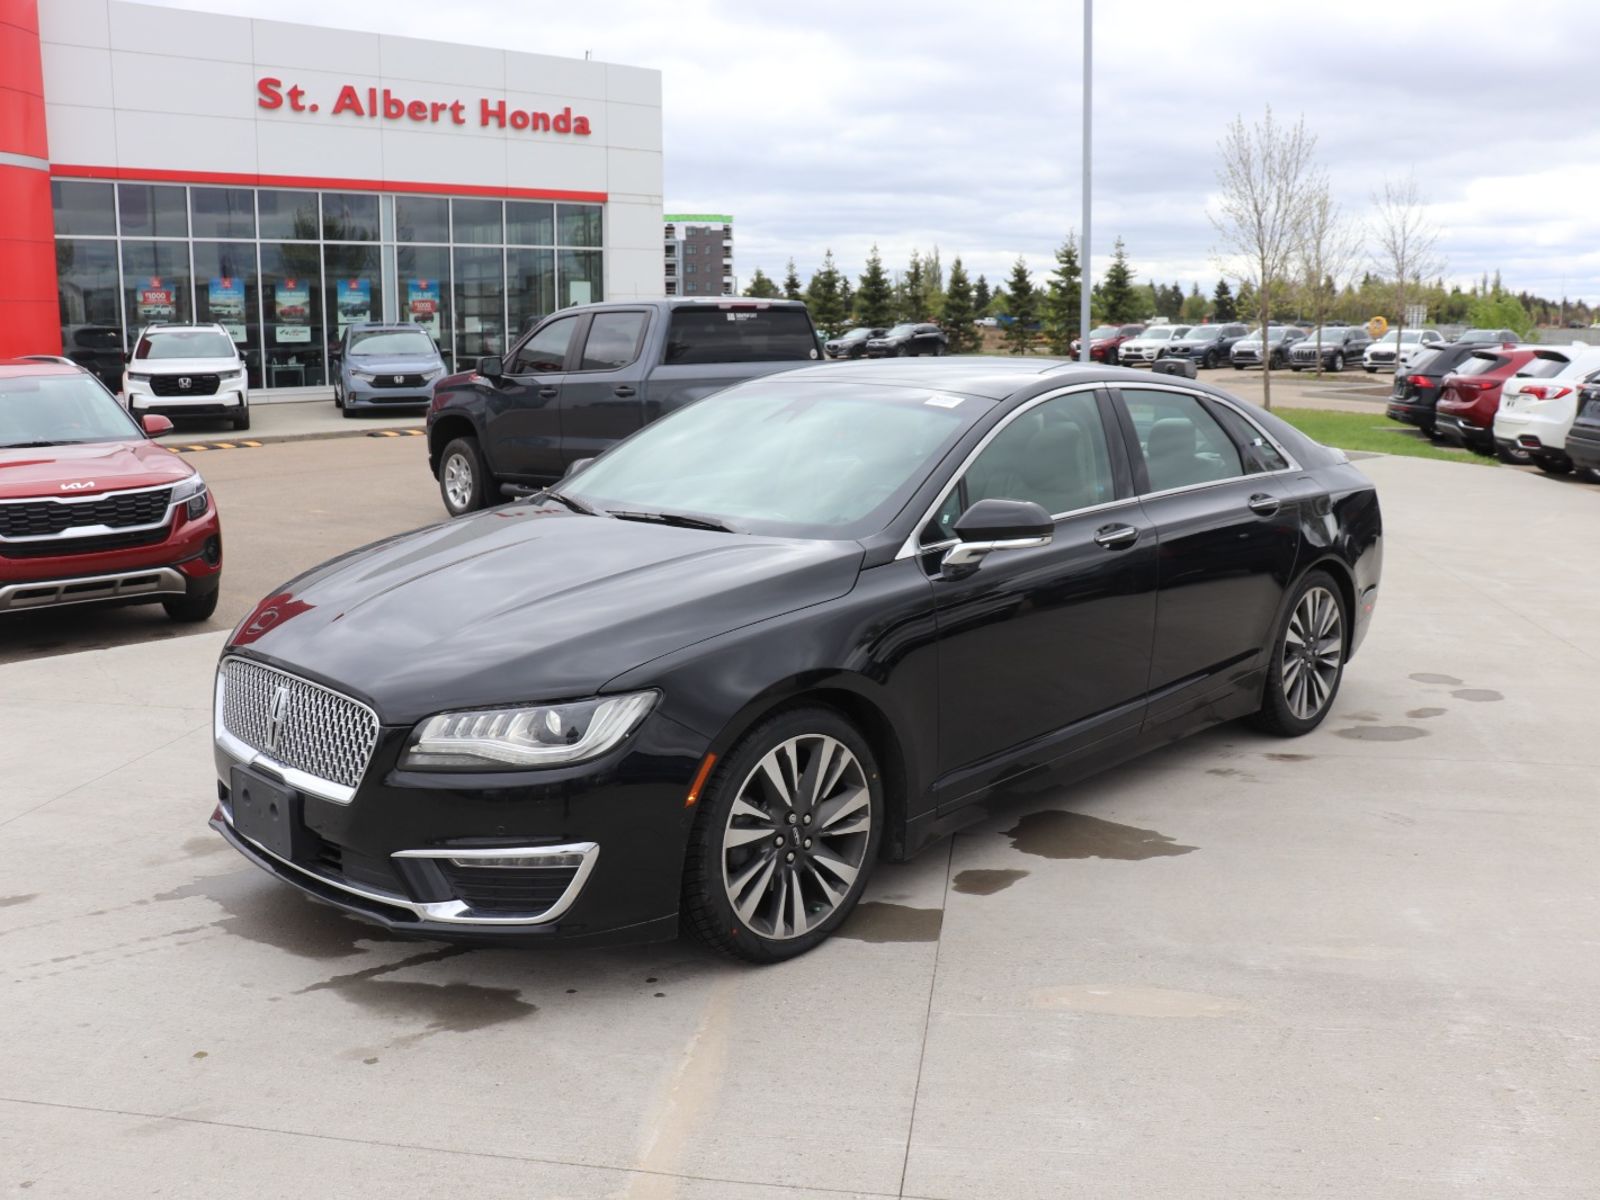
<point>291,421</point>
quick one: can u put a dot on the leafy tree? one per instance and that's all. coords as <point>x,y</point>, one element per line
<point>958,311</point>
<point>875,297</point>
<point>1062,298</point>
<point>933,271</point>
<point>1194,308</point>
<point>1118,301</point>
<point>981,295</point>
<point>761,286</point>
<point>1500,312</point>
<point>824,297</point>
<point>1023,307</point>
<point>1222,305</point>
<point>912,301</point>
<point>999,303</point>
<point>791,283</point>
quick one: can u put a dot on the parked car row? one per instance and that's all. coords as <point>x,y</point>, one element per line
<point>907,339</point>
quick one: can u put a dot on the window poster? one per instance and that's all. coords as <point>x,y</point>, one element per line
<point>422,304</point>
<point>225,299</point>
<point>355,302</point>
<point>292,304</point>
<point>156,301</point>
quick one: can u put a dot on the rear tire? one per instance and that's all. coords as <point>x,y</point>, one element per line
<point>1338,363</point>
<point>1551,466</point>
<point>192,607</point>
<point>1308,652</point>
<point>463,477</point>
<point>1370,370</point>
<point>1510,456</point>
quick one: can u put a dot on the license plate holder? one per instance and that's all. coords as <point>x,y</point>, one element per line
<point>266,811</point>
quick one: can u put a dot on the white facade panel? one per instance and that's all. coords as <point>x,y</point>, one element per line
<point>445,160</point>
<point>76,22</point>
<point>312,48</point>
<point>80,136</point>
<point>633,274</point>
<point>580,168</point>
<point>147,29</point>
<point>635,171</point>
<point>154,83</point>
<point>635,226</point>
<point>543,73</point>
<point>82,72</point>
<point>440,62</point>
<point>169,144</point>
<point>633,127</point>
<point>633,85</point>
<point>323,152</point>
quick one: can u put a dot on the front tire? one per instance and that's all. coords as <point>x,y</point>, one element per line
<point>1338,363</point>
<point>242,421</point>
<point>1553,466</point>
<point>192,607</point>
<point>463,477</point>
<point>1307,659</point>
<point>784,837</point>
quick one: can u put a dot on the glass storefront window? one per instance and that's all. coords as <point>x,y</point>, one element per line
<point>531,287</point>
<point>354,290</point>
<point>476,221</point>
<point>424,283</point>
<point>421,219</point>
<point>349,217</point>
<point>91,309</point>
<point>223,212</point>
<point>226,292</point>
<point>578,224</point>
<point>288,216</point>
<point>291,311</point>
<point>480,289</point>
<point>530,223</point>
<point>83,208</point>
<point>579,278</point>
<point>155,283</point>
<point>151,210</point>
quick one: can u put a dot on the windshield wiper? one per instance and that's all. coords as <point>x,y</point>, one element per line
<point>576,505</point>
<point>682,520</point>
<point>30,445</point>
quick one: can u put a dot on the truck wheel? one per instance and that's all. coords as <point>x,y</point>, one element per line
<point>192,607</point>
<point>463,477</point>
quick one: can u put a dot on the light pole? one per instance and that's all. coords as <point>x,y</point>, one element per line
<point>1088,128</point>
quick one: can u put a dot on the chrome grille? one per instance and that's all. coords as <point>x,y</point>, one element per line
<point>321,732</point>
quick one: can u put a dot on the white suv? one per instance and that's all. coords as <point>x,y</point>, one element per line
<point>1413,343</point>
<point>187,371</point>
<point>1539,404</point>
<point>1147,347</point>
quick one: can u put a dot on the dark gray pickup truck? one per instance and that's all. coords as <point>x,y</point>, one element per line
<point>586,377</point>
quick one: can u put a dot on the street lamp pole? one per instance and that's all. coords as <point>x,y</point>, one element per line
<point>1084,243</point>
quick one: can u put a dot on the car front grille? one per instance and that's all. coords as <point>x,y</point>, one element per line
<point>185,385</point>
<point>522,890</point>
<point>1383,356</point>
<point>62,547</point>
<point>397,381</point>
<point>41,518</point>
<point>316,730</point>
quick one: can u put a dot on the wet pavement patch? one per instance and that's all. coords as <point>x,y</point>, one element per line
<point>1054,833</point>
<point>1425,677</point>
<point>1422,714</point>
<point>8,901</point>
<point>978,882</point>
<point>1382,733</point>
<point>278,916</point>
<point>876,921</point>
<point>1479,694</point>
<point>1279,757</point>
<point>199,847</point>
<point>447,1007</point>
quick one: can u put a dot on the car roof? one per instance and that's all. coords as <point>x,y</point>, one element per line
<point>395,325</point>
<point>19,368</point>
<point>993,378</point>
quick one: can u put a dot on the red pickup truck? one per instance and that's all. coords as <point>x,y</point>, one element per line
<point>93,511</point>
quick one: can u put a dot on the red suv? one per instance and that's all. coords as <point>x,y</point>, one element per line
<point>1105,342</point>
<point>90,508</point>
<point>1470,396</point>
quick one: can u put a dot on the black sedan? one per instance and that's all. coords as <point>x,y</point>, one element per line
<point>785,632</point>
<point>908,339</point>
<point>1415,397</point>
<point>851,344</point>
<point>1583,440</point>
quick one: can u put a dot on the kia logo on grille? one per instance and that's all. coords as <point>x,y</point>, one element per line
<point>81,486</point>
<point>277,713</point>
<point>399,378</point>
<point>185,382</point>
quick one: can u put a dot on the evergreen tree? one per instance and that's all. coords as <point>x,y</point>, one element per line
<point>761,287</point>
<point>912,302</point>
<point>1062,298</point>
<point>933,270</point>
<point>1223,308</point>
<point>1022,305</point>
<point>958,311</point>
<point>1174,303</point>
<point>791,283</point>
<point>875,298</point>
<point>981,295</point>
<point>824,299</point>
<point>847,299</point>
<point>1119,303</point>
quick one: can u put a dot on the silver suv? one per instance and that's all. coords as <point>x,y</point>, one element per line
<point>383,366</point>
<point>187,371</point>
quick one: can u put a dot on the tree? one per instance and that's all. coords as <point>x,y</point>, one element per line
<point>847,301</point>
<point>1406,240</point>
<point>762,287</point>
<point>958,311</point>
<point>1194,308</point>
<point>791,283</point>
<point>1500,312</point>
<point>1118,302</point>
<point>1022,306</point>
<point>933,272</point>
<point>1263,177</point>
<point>912,301</point>
<point>1222,306</point>
<point>1062,298</point>
<point>981,295</point>
<point>1326,252</point>
<point>824,298</point>
<point>874,298</point>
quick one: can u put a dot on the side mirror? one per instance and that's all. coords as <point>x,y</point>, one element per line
<point>991,525</point>
<point>575,466</point>
<point>491,368</point>
<point>155,424</point>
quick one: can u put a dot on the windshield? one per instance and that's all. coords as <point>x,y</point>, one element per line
<point>808,458</point>
<point>1401,335</point>
<point>1104,331</point>
<point>898,330</point>
<point>184,343</point>
<point>59,410</point>
<point>1328,333</point>
<point>1159,334</point>
<point>856,335</point>
<point>384,342</point>
<point>1482,335</point>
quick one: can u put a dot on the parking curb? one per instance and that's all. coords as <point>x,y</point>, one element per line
<point>397,432</point>
<point>276,439</point>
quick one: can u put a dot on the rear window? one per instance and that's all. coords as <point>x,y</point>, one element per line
<point>1479,364</point>
<point>735,335</point>
<point>1540,367</point>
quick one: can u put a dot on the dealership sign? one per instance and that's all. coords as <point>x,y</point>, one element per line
<point>381,104</point>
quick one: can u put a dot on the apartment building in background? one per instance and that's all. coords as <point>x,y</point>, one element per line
<point>698,249</point>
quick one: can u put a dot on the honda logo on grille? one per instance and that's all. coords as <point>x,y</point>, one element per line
<point>185,382</point>
<point>277,712</point>
<point>399,378</point>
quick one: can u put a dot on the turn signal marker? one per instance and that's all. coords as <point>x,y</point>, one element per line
<point>700,778</point>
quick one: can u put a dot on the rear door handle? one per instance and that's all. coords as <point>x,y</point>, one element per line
<point>548,391</point>
<point>624,391</point>
<point>1116,537</point>
<point>1262,504</point>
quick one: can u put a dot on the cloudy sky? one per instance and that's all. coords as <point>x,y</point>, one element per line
<point>828,124</point>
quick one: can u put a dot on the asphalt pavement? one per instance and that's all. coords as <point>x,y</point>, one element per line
<point>1359,964</point>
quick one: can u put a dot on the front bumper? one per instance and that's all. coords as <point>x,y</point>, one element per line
<point>228,400</point>
<point>188,559</point>
<point>360,394</point>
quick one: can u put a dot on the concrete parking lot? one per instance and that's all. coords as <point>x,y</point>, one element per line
<point>1363,963</point>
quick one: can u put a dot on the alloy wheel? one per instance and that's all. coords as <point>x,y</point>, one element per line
<point>458,481</point>
<point>796,837</point>
<point>1313,649</point>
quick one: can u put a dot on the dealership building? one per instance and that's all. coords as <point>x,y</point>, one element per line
<point>161,164</point>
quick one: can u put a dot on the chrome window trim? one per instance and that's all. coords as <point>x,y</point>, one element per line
<point>248,755</point>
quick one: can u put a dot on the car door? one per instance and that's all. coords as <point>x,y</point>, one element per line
<point>1043,653</point>
<point>602,398</point>
<point>522,411</point>
<point>1226,515</point>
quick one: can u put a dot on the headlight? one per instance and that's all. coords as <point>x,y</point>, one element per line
<point>236,373</point>
<point>430,376</point>
<point>192,490</point>
<point>546,735</point>
<point>138,377</point>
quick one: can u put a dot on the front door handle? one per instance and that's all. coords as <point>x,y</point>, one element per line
<point>623,390</point>
<point>1116,537</point>
<point>1262,504</point>
<point>548,391</point>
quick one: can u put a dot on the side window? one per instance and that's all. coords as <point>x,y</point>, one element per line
<point>1258,453</point>
<point>547,349</point>
<point>1182,443</point>
<point>613,340</point>
<point>1053,454</point>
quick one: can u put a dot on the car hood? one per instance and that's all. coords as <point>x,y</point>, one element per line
<point>182,366</point>
<point>522,603</point>
<point>108,466</point>
<point>397,364</point>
